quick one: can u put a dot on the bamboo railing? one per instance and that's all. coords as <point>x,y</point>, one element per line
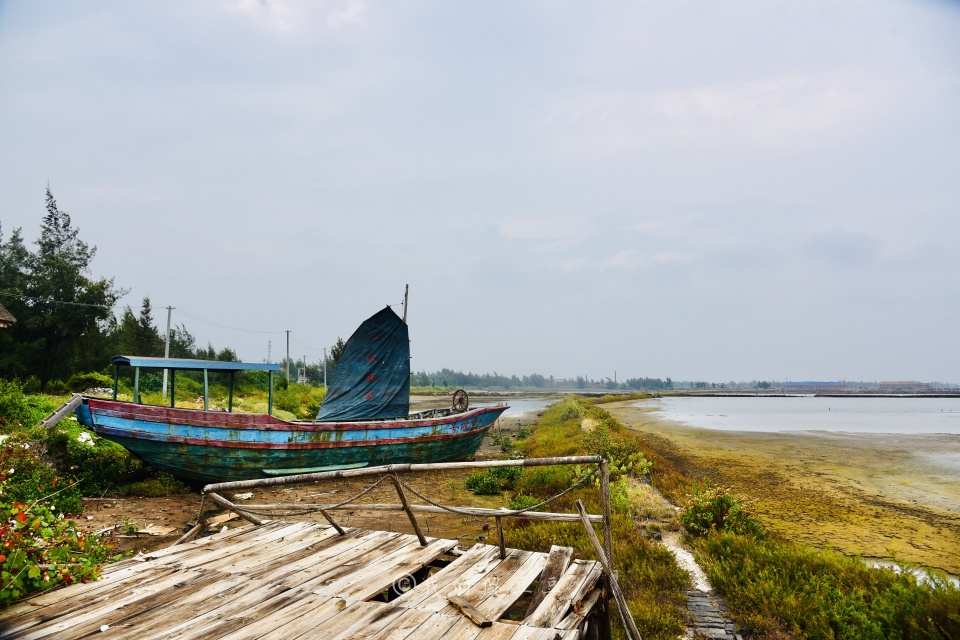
<point>215,493</point>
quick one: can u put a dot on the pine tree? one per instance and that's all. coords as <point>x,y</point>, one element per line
<point>60,331</point>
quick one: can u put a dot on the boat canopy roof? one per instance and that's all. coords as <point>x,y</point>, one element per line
<point>199,365</point>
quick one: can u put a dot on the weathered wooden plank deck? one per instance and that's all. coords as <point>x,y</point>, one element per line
<point>287,580</point>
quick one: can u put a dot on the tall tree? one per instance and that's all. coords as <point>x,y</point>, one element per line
<point>137,335</point>
<point>13,276</point>
<point>64,322</point>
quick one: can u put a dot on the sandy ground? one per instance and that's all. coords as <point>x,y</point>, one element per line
<point>878,496</point>
<point>160,521</point>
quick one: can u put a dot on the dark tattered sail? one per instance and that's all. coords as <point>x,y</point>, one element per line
<point>372,378</point>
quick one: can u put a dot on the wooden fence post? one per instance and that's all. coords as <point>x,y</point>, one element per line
<point>629,625</point>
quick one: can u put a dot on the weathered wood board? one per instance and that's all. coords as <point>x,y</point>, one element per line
<point>287,580</point>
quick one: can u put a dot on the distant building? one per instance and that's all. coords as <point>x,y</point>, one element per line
<point>903,386</point>
<point>814,387</point>
<point>6,318</point>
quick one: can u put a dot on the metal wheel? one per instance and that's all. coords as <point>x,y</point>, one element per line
<point>460,400</point>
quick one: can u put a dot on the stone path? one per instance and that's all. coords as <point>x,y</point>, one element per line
<point>709,617</point>
<point>707,609</point>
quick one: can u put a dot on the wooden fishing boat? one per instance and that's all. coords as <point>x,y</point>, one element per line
<point>364,420</point>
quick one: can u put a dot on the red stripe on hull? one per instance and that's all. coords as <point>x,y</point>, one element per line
<point>232,444</point>
<point>259,422</point>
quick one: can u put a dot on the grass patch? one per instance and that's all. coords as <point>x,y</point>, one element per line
<point>780,589</point>
<point>163,485</point>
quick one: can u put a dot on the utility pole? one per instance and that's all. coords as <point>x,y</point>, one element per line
<point>269,349</point>
<point>166,351</point>
<point>288,356</point>
<point>324,367</point>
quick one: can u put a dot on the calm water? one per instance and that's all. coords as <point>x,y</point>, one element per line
<point>807,413</point>
<point>521,406</point>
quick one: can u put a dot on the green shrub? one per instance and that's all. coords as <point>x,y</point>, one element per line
<point>493,481</point>
<point>619,497</point>
<point>572,411</point>
<point>163,485</point>
<point>80,382</point>
<point>56,388</point>
<point>503,441</point>
<point>17,409</point>
<point>716,509</point>
<point>507,476</point>
<point>29,479</point>
<point>543,482</point>
<point>187,388</point>
<point>301,400</point>
<point>482,484</point>
<point>253,381</point>
<point>521,501</point>
<point>100,466</point>
<point>779,588</point>
<point>316,396</point>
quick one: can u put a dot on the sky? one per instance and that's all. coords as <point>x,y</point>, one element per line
<point>713,191</point>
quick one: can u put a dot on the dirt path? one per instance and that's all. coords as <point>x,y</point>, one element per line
<point>876,496</point>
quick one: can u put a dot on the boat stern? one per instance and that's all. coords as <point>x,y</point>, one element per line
<point>84,416</point>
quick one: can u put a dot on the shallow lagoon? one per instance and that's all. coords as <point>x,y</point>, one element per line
<point>809,413</point>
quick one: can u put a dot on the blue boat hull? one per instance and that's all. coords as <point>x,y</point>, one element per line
<point>214,446</point>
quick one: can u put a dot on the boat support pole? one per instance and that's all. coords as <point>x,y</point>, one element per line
<point>136,385</point>
<point>116,377</point>
<point>173,387</point>
<point>233,377</point>
<point>206,389</point>
<point>270,395</point>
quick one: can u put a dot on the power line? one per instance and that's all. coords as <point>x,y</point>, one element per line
<point>221,325</point>
<point>76,304</point>
<point>304,344</point>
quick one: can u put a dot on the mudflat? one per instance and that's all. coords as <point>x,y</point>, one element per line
<point>875,495</point>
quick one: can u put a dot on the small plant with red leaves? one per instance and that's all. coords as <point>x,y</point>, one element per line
<point>39,547</point>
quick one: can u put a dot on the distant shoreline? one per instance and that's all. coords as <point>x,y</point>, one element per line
<point>780,394</point>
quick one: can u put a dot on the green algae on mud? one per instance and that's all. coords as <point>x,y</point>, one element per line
<point>860,495</point>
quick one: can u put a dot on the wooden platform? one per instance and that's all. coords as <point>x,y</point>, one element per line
<point>286,580</point>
